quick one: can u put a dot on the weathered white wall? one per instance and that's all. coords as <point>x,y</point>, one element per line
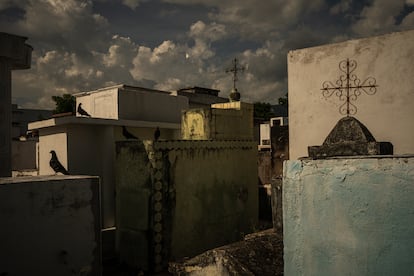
<point>349,216</point>
<point>102,104</point>
<point>387,114</point>
<point>265,134</point>
<point>120,103</point>
<point>50,226</point>
<point>151,106</point>
<point>89,149</point>
<point>52,139</point>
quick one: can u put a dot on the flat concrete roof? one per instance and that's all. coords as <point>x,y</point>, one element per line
<point>42,178</point>
<point>122,87</point>
<point>74,120</point>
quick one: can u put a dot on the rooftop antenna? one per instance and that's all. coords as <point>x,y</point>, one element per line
<point>235,95</point>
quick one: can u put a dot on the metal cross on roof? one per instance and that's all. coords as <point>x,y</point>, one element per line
<point>234,70</point>
<point>349,87</point>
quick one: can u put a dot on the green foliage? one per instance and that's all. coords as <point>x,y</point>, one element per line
<point>263,110</point>
<point>64,103</point>
<point>284,100</point>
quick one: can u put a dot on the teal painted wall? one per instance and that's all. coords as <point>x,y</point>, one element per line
<point>349,216</point>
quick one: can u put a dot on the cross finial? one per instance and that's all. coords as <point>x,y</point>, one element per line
<point>348,87</point>
<point>234,70</point>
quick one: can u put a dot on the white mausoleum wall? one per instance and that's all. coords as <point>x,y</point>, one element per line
<point>102,104</point>
<point>52,139</point>
<point>388,114</point>
<point>129,104</point>
<point>86,146</point>
<point>155,107</point>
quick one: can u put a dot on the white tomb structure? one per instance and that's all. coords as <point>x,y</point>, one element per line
<point>86,145</point>
<point>132,103</point>
<point>265,133</point>
<point>385,61</point>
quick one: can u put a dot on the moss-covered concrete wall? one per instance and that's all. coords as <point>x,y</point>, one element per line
<point>349,216</point>
<point>216,195</point>
<point>180,198</point>
<point>133,191</point>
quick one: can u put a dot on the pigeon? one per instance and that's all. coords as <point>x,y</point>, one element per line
<point>82,111</point>
<point>127,134</point>
<point>55,164</point>
<point>157,134</point>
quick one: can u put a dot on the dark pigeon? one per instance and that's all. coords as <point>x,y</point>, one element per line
<point>55,164</point>
<point>127,134</point>
<point>157,134</point>
<point>82,111</point>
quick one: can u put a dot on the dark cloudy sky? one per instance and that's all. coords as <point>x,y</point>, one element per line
<point>81,45</point>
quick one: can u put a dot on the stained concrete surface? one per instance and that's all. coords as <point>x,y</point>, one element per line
<point>349,216</point>
<point>259,253</point>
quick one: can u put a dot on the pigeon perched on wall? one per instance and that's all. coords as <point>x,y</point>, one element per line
<point>56,165</point>
<point>82,111</point>
<point>157,134</point>
<point>127,134</point>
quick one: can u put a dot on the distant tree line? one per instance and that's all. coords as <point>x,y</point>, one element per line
<point>264,111</point>
<point>65,103</point>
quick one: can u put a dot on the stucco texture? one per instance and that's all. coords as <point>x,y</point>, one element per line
<point>349,216</point>
<point>223,121</point>
<point>50,225</point>
<point>177,199</point>
<point>387,113</point>
<point>216,195</point>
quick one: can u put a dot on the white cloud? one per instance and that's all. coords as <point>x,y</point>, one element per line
<point>172,66</point>
<point>167,61</point>
<point>74,49</point>
<point>58,71</point>
<point>120,52</point>
<point>203,35</point>
<point>133,4</point>
<point>257,20</point>
<point>211,32</point>
<point>71,24</point>
<point>170,84</point>
<point>379,17</point>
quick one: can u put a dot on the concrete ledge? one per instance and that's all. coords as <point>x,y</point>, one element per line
<point>98,121</point>
<point>204,144</point>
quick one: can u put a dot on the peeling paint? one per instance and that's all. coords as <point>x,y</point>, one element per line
<point>349,217</point>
